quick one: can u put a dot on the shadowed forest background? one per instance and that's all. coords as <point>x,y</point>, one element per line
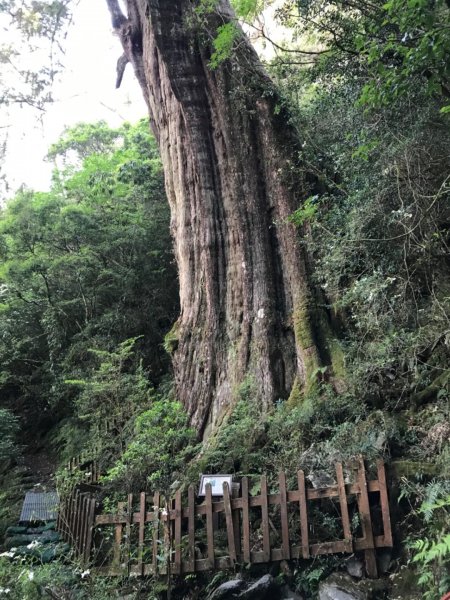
<point>127,327</point>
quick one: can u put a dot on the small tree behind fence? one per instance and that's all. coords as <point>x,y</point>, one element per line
<point>144,538</point>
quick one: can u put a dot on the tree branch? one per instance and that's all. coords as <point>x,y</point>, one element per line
<point>117,16</point>
<point>121,64</point>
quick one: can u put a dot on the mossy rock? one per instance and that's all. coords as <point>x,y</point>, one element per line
<point>412,469</point>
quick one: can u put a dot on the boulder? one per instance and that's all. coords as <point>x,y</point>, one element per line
<point>266,588</point>
<point>229,589</point>
<point>288,594</point>
<point>340,587</point>
<point>355,567</point>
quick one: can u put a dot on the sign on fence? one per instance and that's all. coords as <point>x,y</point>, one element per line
<point>216,482</point>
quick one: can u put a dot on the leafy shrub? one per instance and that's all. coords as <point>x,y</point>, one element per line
<point>431,553</point>
<point>156,455</point>
<point>9,428</point>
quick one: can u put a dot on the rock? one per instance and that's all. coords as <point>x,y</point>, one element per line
<point>384,557</point>
<point>340,587</point>
<point>288,594</point>
<point>321,479</point>
<point>355,567</point>
<point>265,588</point>
<point>229,589</point>
<point>285,568</point>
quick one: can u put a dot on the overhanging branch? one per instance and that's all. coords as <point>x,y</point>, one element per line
<point>117,16</point>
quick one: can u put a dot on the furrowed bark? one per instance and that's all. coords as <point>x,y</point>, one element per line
<point>232,179</point>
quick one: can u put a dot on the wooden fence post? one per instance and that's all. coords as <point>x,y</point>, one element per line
<point>366,522</point>
<point>191,527</point>
<point>384,501</point>
<point>303,514</point>
<point>265,519</point>
<point>284,516</point>
<point>245,521</point>
<point>209,525</point>
<point>156,501</point>
<point>118,538</point>
<point>344,508</point>
<point>129,521</point>
<point>90,530</point>
<point>178,517</point>
<point>140,555</point>
<point>229,523</point>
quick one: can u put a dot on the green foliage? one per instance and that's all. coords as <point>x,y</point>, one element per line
<point>109,400</point>
<point>376,226</point>
<point>223,43</point>
<point>161,446</point>
<point>305,213</point>
<point>21,579</point>
<point>85,266</point>
<point>396,45</point>
<point>432,554</point>
<point>247,9</point>
<point>409,40</point>
<point>9,428</point>
<point>308,576</point>
<point>238,446</point>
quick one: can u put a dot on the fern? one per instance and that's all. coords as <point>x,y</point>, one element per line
<point>433,555</point>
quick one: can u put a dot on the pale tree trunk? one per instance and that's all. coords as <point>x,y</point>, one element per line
<point>232,179</point>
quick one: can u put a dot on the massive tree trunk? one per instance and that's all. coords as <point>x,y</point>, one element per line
<point>232,179</point>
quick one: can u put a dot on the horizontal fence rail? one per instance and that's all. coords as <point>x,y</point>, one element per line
<point>144,537</point>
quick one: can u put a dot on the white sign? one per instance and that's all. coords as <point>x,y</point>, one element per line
<point>216,482</point>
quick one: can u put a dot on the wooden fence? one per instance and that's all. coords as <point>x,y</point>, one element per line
<point>75,522</point>
<point>87,465</point>
<point>144,538</point>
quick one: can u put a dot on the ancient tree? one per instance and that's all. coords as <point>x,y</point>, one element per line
<point>232,180</point>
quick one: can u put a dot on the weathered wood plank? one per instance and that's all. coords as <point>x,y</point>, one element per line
<point>344,507</point>
<point>84,525</point>
<point>245,521</point>
<point>366,522</point>
<point>265,519</point>
<point>304,534</point>
<point>178,517</point>
<point>229,523</point>
<point>384,501</point>
<point>127,549</point>
<point>156,516</point>
<point>117,547</point>
<point>209,525</point>
<point>141,534</point>
<point>90,531</point>
<point>284,516</point>
<point>191,528</point>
